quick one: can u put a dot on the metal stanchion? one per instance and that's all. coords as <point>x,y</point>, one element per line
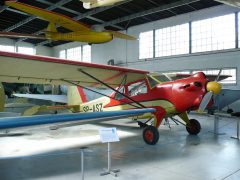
<point>237,130</point>
<point>82,161</point>
<point>216,125</point>
<point>109,170</point>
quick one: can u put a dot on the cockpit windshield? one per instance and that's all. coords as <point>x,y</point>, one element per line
<point>155,79</point>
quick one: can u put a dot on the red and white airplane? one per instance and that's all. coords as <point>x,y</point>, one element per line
<point>135,92</point>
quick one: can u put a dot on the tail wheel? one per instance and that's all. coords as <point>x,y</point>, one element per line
<point>193,127</point>
<point>150,135</point>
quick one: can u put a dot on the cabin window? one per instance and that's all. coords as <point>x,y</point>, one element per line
<point>137,88</point>
<point>161,78</point>
<point>152,82</point>
<point>120,96</point>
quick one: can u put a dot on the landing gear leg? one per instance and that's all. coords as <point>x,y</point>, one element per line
<point>150,133</point>
<point>143,125</point>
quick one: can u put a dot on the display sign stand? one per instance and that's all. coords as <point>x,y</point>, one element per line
<point>216,124</point>
<point>109,135</point>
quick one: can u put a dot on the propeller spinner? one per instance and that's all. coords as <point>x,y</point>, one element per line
<point>212,87</point>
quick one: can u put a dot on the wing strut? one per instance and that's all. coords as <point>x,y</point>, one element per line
<point>89,75</point>
<point>75,84</point>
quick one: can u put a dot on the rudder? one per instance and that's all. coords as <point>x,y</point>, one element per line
<point>76,95</point>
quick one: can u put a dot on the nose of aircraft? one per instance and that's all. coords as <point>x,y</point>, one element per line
<point>214,87</point>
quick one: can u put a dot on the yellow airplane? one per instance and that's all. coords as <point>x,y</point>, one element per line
<point>80,32</point>
<point>89,4</point>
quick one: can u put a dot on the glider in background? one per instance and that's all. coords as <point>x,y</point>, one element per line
<point>80,32</point>
<point>89,4</point>
<point>133,90</point>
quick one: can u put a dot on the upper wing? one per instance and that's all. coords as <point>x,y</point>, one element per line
<point>14,122</point>
<point>20,68</point>
<point>50,16</point>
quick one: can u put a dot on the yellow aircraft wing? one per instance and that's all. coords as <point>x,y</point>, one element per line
<point>20,68</point>
<point>50,16</point>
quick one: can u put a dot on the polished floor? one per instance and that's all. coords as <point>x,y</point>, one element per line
<point>45,154</point>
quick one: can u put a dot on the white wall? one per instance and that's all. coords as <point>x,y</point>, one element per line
<point>40,50</point>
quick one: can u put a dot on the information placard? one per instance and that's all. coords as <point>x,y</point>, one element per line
<point>108,135</point>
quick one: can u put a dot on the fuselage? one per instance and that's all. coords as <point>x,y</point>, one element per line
<point>173,96</point>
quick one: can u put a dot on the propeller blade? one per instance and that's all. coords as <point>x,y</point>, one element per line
<point>121,35</point>
<point>218,76</point>
<point>206,99</point>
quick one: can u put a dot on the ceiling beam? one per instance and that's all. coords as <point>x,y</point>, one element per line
<point>150,11</point>
<point>77,13</point>
<point>54,6</point>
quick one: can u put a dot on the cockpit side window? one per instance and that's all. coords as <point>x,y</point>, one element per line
<point>152,82</point>
<point>119,96</point>
<point>137,88</point>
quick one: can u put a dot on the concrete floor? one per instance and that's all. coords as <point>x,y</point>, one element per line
<point>54,155</point>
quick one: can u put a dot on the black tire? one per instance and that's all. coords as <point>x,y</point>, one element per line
<point>193,127</point>
<point>150,135</point>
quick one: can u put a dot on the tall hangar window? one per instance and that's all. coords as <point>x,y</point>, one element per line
<point>75,53</point>
<point>172,40</point>
<point>7,48</point>
<point>146,45</point>
<point>213,34</point>
<point>80,53</point>
<point>26,50</point>
<point>62,54</point>
<point>86,54</point>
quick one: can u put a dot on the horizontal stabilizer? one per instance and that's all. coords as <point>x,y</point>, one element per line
<point>121,35</point>
<point>54,98</point>
<point>14,122</point>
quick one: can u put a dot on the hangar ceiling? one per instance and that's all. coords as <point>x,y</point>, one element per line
<point>120,16</point>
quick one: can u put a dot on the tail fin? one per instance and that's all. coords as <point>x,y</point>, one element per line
<point>51,31</point>
<point>2,98</point>
<point>75,95</point>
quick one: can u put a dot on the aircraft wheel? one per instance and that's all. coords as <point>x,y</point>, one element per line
<point>150,135</point>
<point>193,127</point>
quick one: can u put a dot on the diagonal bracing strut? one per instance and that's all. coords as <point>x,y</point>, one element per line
<point>75,84</point>
<point>89,75</point>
